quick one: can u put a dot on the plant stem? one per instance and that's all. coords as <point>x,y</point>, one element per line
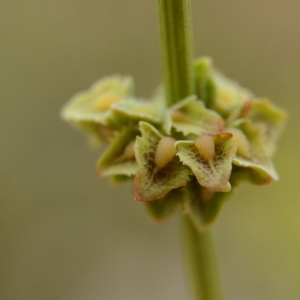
<point>202,277</point>
<point>177,48</point>
<point>177,59</point>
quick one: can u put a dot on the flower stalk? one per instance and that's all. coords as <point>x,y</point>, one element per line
<point>177,48</point>
<point>177,60</point>
<point>202,275</point>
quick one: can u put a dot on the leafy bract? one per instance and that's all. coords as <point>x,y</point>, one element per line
<point>190,116</point>
<point>118,159</point>
<point>202,205</point>
<point>94,105</point>
<point>126,168</point>
<point>204,84</point>
<point>269,120</point>
<point>138,110</point>
<point>218,92</point>
<point>213,174</point>
<point>119,179</point>
<point>230,96</point>
<point>96,133</point>
<point>258,161</point>
<point>162,208</point>
<point>150,182</point>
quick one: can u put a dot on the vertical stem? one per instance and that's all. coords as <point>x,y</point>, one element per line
<point>177,59</point>
<point>202,270</point>
<point>177,48</point>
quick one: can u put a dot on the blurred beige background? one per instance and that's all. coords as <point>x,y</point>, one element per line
<point>67,235</point>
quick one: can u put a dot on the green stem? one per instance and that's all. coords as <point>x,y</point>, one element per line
<point>202,270</point>
<point>177,48</point>
<point>177,59</point>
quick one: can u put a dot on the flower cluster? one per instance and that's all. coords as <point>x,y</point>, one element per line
<point>189,156</point>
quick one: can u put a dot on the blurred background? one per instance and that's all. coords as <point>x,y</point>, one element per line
<point>67,235</point>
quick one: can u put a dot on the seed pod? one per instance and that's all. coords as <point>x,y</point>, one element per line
<point>243,146</point>
<point>105,101</point>
<point>165,152</point>
<point>206,146</point>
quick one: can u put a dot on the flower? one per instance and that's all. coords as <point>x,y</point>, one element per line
<point>191,155</point>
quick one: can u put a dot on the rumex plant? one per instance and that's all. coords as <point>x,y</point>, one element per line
<point>188,146</point>
<point>204,144</point>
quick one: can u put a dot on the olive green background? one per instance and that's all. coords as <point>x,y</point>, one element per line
<point>67,235</point>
